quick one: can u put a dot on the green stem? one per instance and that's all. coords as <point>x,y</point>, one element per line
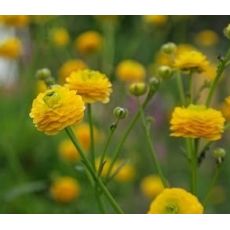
<point>93,173</point>
<point>112,130</point>
<point>151,147</point>
<point>221,67</point>
<point>90,119</point>
<point>193,154</point>
<point>213,182</point>
<point>108,49</point>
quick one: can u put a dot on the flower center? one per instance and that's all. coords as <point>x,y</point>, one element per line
<point>171,209</point>
<point>52,99</point>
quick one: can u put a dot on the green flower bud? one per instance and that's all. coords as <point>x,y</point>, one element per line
<point>227,31</point>
<point>120,113</point>
<point>43,74</point>
<point>219,153</point>
<point>165,72</point>
<point>138,89</point>
<point>154,84</point>
<point>169,48</point>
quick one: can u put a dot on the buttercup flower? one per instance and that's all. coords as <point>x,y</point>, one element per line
<point>157,20</point>
<point>92,85</point>
<point>88,42</point>
<point>176,201</point>
<point>207,38</point>
<point>70,66</point>
<point>82,132</point>
<point>151,186</point>
<point>59,36</point>
<point>56,109</point>
<point>125,173</point>
<point>65,189</point>
<point>197,121</point>
<point>11,48</point>
<point>14,20</point>
<point>67,151</point>
<point>226,108</point>
<point>130,71</point>
<point>210,72</point>
<point>191,61</point>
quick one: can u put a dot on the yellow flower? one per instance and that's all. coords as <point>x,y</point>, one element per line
<point>70,66</point>
<point>130,71</point>
<point>210,72</point>
<point>56,109</point>
<point>157,20</point>
<point>168,60</point>
<point>197,121</point>
<point>59,36</point>
<point>207,38</point>
<point>126,172</point>
<point>67,151</point>
<point>191,61</point>
<point>151,186</point>
<point>15,20</point>
<point>11,48</point>
<point>88,42</point>
<point>176,201</point>
<point>92,85</point>
<point>226,108</point>
<point>82,132</point>
<point>65,189</point>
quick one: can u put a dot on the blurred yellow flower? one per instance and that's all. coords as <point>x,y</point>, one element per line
<point>56,109</point>
<point>197,121</point>
<point>67,151</point>
<point>191,61</point>
<point>151,186</point>
<point>126,172</point>
<point>163,58</point>
<point>88,42</point>
<point>210,72</point>
<point>65,189</point>
<point>92,85</point>
<point>157,20</point>
<point>207,38</point>
<point>130,71</point>
<point>15,20</point>
<point>59,36</point>
<point>226,108</point>
<point>82,132</point>
<point>176,201</point>
<point>11,48</point>
<point>70,66</point>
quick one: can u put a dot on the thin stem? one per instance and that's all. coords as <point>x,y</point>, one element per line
<point>193,154</point>
<point>221,67</point>
<point>90,119</point>
<point>151,147</point>
<point>213,182</point>
<point>112,130</point>
<point>93,173</point>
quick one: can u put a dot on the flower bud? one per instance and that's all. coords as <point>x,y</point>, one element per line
<point>43,74</point>
<point>169,48</point>
<point>138,89</point>
<point>219,154</point>
<point>154,84</point>
<point>165,72</point>
<point>120,113</point>
<point>227,31</point>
